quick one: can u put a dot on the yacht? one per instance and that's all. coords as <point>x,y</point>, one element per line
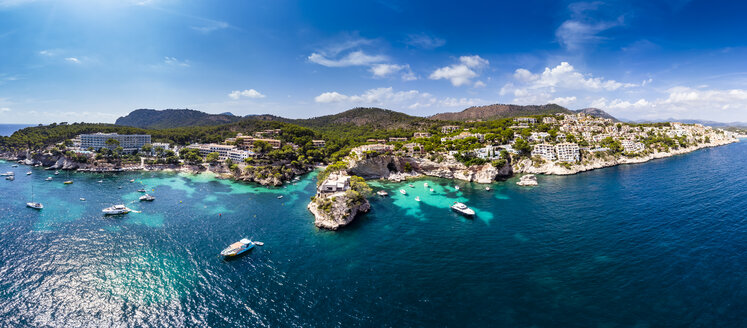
<point>48,179</point>
<point>28,173</point>
<point>100,181</point>
<point>462,209</point>
<point>147,197</point>
<point>280,197</point>
<point>237,248</point>
<point>382,193</point>
<point>68,182</point>
<point>116,209</point>
<point>14,165</point>
<point>132,180</point>
<point>141,190</point>
<point>82,199</point>
<point>402,191</point>
<point>417,198</point>
<point>10,177</point>
<point>487,188</point>
<point>56,172</point>
<point>7,174</point>
<point>34,205</point>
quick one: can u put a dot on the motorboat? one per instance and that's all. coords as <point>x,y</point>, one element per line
<point>431,189</point>
<point>28,173</point>
<point>56,172</point>
<point>14,165</point>
<point>68,182</point>
<point>147,197</point>
<point>456,187</point>
<point>402,191</point>
<point>10,177</point>
<point>280,197</point>
<point>461,208</point>
<point>487,188</point>
<point>100,181</point>
<point>132,180</point>
<point>237,248</point>
<point>382,193</point>
<point>141,190</point>
<point>35,205</point>
<point>425,185</point>
<point>412,185</point>
<point>116,209</point>
<point>7,174</point>
<point>417,198</point>
<point>48,179</point>
<point>82,199</point>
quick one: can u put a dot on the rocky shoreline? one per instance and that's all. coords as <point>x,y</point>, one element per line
<point>394,168</point>
<point>552,168</point>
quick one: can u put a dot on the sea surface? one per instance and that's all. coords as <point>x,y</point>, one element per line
<point>8,129</point>
<point>660,244</point>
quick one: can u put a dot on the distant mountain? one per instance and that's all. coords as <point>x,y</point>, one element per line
<point>596,112</point>
<point>227,114</point>
<point>692,121</point>
<point>173,118</point>
<point>373,117</point>
<point>499,111</point>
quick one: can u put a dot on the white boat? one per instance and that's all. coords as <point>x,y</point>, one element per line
<point>34,205</point>
<point>237,248</point>
<point>7,174</point>
<point>48,179</point>
<point>412,185</point>
<point>116,209</point>
<point>68,182</point>
<point>456,187</point>
<point>487,188</point>
<point>280,197</point>
<point>425,185</point>
<point>382,193</point>
<point>147,197</point>
<point>402,191</point>
<point>431,189</point>
<point>56,172</point>
<point>462,209</point>
<point>141,190</point>
<point>417,198</point>
<point>132,180</point>
<point>28,173</point>
<point>14,165</point>
<point>100,181</point>
<point>82,199</point>
<point>10,177</point>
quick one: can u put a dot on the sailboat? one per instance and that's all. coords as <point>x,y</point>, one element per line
<point>32,204</point>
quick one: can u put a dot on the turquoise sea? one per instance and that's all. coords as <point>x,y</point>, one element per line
<point>660,244</point>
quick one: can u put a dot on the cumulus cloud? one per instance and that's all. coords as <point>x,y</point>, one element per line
<point>330,97</point>
<point>535,88</point>
<point>251,93</point>
<point>384,70</point>
<point>463,72</point>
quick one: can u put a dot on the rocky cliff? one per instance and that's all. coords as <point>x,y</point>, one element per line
<point>394,168</point>
<point>336,210</point>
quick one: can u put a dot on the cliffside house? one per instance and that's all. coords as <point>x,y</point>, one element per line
<point>631,146</point>
<point>318,143</point>
<point>421,135</point>
<point>568,152</point>
<point>530,120</point>
<point>545,151</point>
<point>247,142</point>
<point>335,182</point>
<point>395,139</point>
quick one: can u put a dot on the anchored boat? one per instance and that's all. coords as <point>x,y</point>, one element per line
<point>116,209</point>
<point>147,197</point>
<point>461,208</point>
<point>237,248</point>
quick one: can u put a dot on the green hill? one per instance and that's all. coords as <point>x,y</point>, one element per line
<point>499,111</point>
<point>173,118</point>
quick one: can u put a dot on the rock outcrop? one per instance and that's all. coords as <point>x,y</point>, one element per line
<point>397,168</point>
<point>335,211</point>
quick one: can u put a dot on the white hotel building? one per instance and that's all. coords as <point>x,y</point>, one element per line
<point>568,152</point>
<point>128,142</point>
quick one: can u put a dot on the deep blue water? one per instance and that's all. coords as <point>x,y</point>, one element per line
<point>660,244</point>
<point>8,129</point>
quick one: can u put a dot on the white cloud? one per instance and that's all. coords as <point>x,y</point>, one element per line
<point>73,60</point>
<point>251,93</point>
<point>355,58</point>
<point>424,41</point>
<point>175,62</point>
<point>531,88</point>
<point>4,109</point>
<point>384,70</point>
<point>211,26</point>
<point>330,97</point>
<point>461,73</point>
<point>479,84</point>
<point>582,28</point>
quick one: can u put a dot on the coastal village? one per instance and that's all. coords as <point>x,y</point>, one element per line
<point>473,151</point>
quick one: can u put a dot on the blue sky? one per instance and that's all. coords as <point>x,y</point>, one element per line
<point>93,61</point>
